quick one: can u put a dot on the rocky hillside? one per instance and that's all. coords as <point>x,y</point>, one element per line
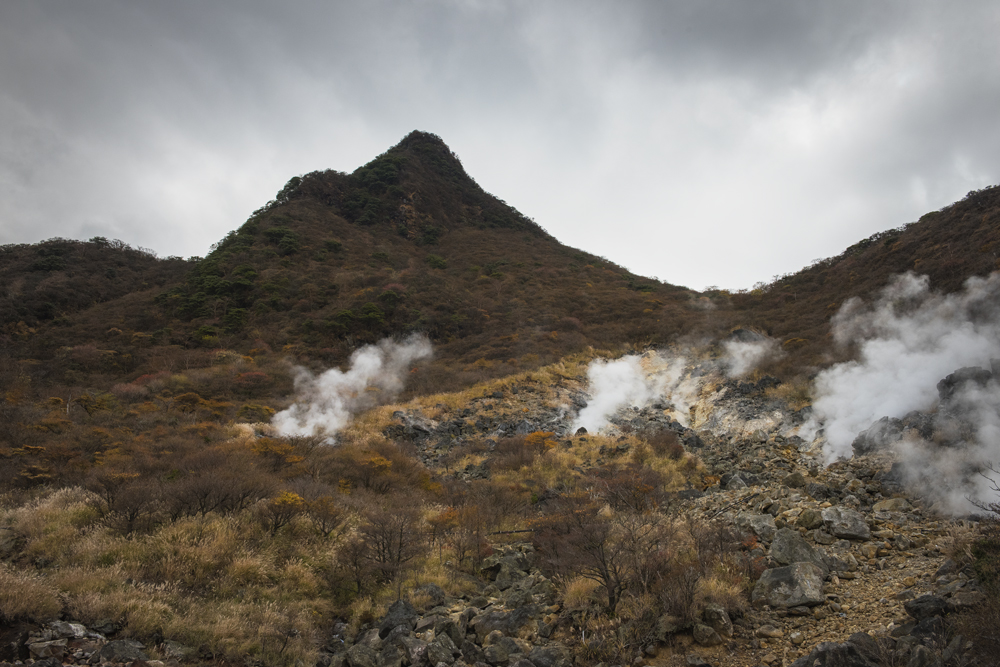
<point>542,459</point>
<point>788,561</point>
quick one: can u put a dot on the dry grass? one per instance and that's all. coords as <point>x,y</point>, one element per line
<point>219,581</point>
<point>796,393</point>
<point>580,593</point>
<point>27,596</point>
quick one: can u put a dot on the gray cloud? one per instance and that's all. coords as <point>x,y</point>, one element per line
<point>704,143</point>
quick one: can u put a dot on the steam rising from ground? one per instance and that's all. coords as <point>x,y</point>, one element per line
<point>910,339</point>
<point>742,357</point>
<point>639,380</point>
<point>634,380</point>
<point>324,404</point>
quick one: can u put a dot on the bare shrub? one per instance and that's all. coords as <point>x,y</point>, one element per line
<point>665,443</point>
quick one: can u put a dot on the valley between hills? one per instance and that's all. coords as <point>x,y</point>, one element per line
<point>390,420</point>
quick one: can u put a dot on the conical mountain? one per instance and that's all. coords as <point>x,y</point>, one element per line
<point>410,243</point>
<point>407,243</point>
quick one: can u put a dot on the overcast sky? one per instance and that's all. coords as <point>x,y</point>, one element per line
<point>705,142</point>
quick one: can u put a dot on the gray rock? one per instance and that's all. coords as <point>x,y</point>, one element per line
<point>820,536</point>
<point>965,600</point>
<point>64,630</point>
<point>705,635</point>
<point>514,645</point>
<point>549,656</point>
<point>545,591</point>
<point>121,650</point>
<point>790,547</point>
<point>829,654</point>
<point>845,523</point>
<point>47,662</point>
<point>507,576</point>
<point>790,586</point>
<point>717,619</point>
<point>445,642</point>
<point>867,645</point>
<point>809,519</point>
<point>453,627</point>
<point>487,622</point>
<point>926,606</point>
<point>878,436</point>
<point>413,649</point>
<point>472,653</point>
<point>921,656</point>
<point>819,491</point>
<point>496,654</point>
<point>796,480</point>
<point>49,649</point>
<point>436,653</point>
<point>360,655</point>
<point>970,374</point>
<point>106,627</point>
<point>761,525</point>
<point>947,567</point>
<point>401,612</point>
<point>390,656</point>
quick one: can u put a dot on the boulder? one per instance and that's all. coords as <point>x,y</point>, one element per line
<point>360,655</point>
<point>496,654</point>
<point>120,650</point>
<point>761,525</point>
<point>401,612</point>
<point>829,654</point>
<point>53,648</point>
<point>391,656</point>
<point>549,656</point>
<point>809,519</point>
<point>48,662</point>
<point>717,619</point>
<point>487,622</point>
<point>924,657</point>
<point>796,480</point>
<point>949,386</point>
<point>790,547</point>
<point>471,653</point>
<point>705,635</point>
<point>413,649</point>
<point>437,653</point>
<point>800,584</point>
<point>926,606</point>
<point>64,630</point>
<point>819,491</point>
<point>878,436</point>
<point>846,523</point>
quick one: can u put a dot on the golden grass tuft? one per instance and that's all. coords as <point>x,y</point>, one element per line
<point>27,596</point>
<point>579,593</point>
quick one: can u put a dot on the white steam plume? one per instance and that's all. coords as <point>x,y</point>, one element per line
<point>742,357</point>
<point>324,404</point>
<point>909,339</point>
<point>631,380</point>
